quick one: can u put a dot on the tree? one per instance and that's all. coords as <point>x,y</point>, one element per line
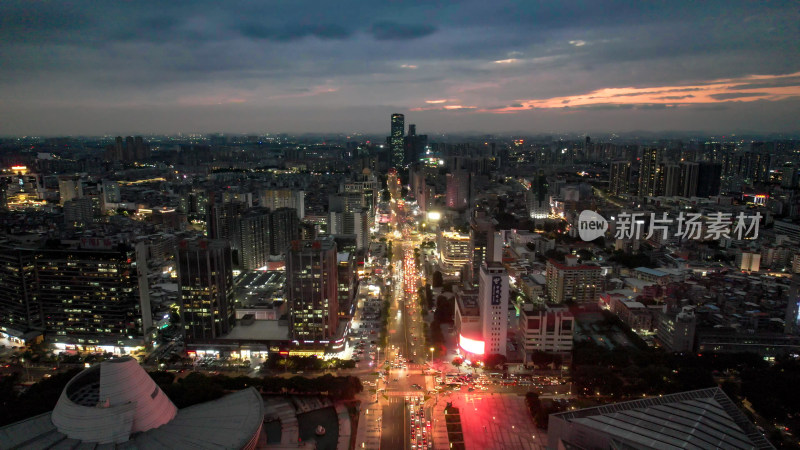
<point>493,360</point>
<point>457,362</point>
<point>385,195</point>
<point>438,279</point>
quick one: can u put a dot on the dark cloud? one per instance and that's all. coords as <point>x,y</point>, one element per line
<point>675,97</point>
<point>393,31</point>
<point>735,95</point>
<point>291,33</point>
<point>315,55</point>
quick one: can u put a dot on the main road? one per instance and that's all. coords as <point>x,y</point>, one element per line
<point>405,343</point>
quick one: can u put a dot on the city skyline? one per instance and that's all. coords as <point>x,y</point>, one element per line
<point>717,67</point>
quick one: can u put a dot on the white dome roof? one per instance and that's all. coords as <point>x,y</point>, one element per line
<point>111,400</point>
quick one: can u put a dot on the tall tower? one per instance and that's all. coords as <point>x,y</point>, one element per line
<point>689,184</point>
<point>255,238</point>
<point>620,177</point>
<point>493,298</point>
<point>396,148</point>
<point>312,286</point>
<point>205,279</point>
<point>649,172</point>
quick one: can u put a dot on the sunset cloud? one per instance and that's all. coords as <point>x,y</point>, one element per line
<point>769,87</point>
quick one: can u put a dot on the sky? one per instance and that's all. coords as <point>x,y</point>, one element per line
<point>113,67</point>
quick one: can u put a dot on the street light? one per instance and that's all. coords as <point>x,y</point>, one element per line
<point>431,349</point>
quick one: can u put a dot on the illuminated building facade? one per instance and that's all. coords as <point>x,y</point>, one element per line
<point>493,298</point>
<point>455,251</point>
<point>620,177</point>
<point>546,329</point>
<point>20,309</point>
<point>254,233</point>
<point>396,147</point>
<point>468,325</point>
<point>649,172</point>
<point>312,290</point>
<point>573,282</point>
<point>537,199</point>
<point>91,298</point>
<point>205,286</point>
<point>284,198</point>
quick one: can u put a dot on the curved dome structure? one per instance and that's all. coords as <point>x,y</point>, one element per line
<point>111,400</point>
<point>116,405</point>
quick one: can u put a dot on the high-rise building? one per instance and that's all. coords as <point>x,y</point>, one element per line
<point>459,190</point>
<point>676,330</point>
<point>284,228</point>
<point>573,282</point>
<point>312,290</point>
<point>467,322</point>
<point>414,144</point>
<point>537,199</point>
<point>284,198</point>
<point>78,213</point>
<point>455,250</point>
<point>69,188</point>
<point>111,192</point>
<point>493,297</point>
<point>649,172</point>
<point>620,177</point>
<point>255,238</point>
<point>367,187</point>
<point>20,308</point>
<point>709,177</point>
<point>792,306</point>
<point>396,149</point>
<point>205,288</point>
<point>223,223</point>
<point>546,329</point>
<point>103,307</point>
<point>133,149</point>
<point>82,299</point>
<point>690,179</point>
<point>669,180</point>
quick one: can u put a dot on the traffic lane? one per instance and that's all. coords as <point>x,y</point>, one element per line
<point>393,433</point>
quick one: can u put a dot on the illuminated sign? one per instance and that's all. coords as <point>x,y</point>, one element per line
<point>497,290</point>
<point>471,345</point>
<point>434,216</point>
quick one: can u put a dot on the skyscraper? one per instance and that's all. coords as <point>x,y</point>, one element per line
<point>255,238</point>
<point>20,309</point>
<point>312,290</point>
<point>690,179</point>
<point>459,190</point>
<point>709,177</point>
<point>396,148</point>
<point>669,180</point>
<point>205,280</point>
<point>649,172</point>
<point>414,144</point>
<point>493,298</point>
<point>284,228</point>
<point>620,177</point>
<point>537,198</point>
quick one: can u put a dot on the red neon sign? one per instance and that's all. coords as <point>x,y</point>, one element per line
<point>471,345</point>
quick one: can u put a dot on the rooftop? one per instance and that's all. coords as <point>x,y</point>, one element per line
<point>705,418</point>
